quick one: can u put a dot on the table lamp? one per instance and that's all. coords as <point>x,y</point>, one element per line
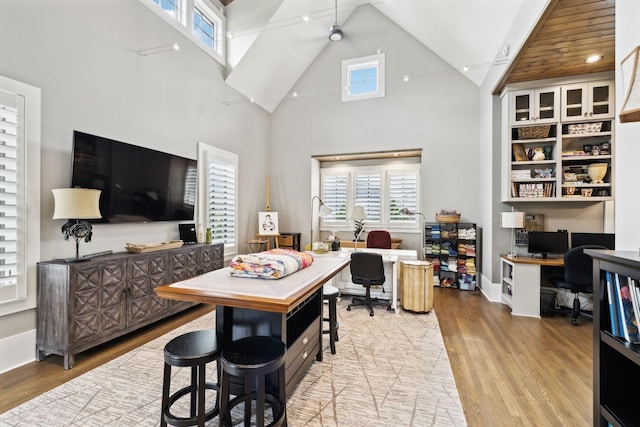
<point>76,204</point>
<point>358,215</point>
<point>512,220</point>
<point>323,211</point>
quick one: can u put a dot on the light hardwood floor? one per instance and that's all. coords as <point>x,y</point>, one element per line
<point>508,370</point>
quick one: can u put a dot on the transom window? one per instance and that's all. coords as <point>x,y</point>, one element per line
<point>203,28</point>
<point>363,78</point>
<point>202,21</point>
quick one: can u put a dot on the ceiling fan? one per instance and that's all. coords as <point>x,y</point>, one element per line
<point>335,32</point>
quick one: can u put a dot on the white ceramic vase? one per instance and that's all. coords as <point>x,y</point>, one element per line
<point>597,171</point>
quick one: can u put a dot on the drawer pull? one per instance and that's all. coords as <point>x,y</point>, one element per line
<point>305,355</point>
<point>305,340</point>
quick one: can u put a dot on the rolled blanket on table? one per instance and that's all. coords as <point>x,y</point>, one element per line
<point>271,264</point>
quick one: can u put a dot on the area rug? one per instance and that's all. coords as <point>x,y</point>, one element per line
<point>390,370</point>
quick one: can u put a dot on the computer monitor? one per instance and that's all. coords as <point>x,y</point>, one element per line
<point>608,240</point>
<point>544,243</point>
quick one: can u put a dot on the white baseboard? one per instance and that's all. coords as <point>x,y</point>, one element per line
<point>491,291</point>
<point>17,350</point>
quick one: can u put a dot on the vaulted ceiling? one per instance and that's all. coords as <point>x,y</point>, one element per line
<point>470,35</point>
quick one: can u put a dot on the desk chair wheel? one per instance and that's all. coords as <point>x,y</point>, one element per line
<point>389,308</point>
<point>371,313</point>
<point>348,308</point>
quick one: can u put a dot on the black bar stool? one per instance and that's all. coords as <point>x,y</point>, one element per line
<point>251,359</point>
<point>195,350</point>
<point>330,294</point>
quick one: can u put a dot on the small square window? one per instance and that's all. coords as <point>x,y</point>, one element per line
<point>363,78</point>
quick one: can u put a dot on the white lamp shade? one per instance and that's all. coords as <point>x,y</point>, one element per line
<point>324,210</point>
<point>358,213</point>
<point>76,203</point>
<point>512,219</point>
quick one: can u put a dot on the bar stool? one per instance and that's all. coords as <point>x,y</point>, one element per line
<point>251,359</point>
<point>193,349</point>
<point>330,294</point>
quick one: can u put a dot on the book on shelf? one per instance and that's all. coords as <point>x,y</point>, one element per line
<point>624,306</point>
<point>533,190</point>
<point>613,310</point>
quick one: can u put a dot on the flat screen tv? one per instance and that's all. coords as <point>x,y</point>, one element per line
<point>546,243</point>
<point>138,184</point>
<point>608,240</point>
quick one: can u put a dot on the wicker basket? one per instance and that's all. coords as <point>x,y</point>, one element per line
<point>534,132</point>
<point>448,219</point>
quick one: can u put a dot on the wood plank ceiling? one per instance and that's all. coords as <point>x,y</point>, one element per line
<point>567,33</point>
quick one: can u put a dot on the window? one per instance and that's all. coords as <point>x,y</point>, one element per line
<point>363,78</point>
<point>218,209</point>
<point>202,21</point>
<point>382,190</point>
<point>169,6</point>
<point>19,194</point>
<point>203,27</point>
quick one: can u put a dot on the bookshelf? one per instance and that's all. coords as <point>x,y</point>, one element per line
<point>616,363</point>
<point>453,249</point>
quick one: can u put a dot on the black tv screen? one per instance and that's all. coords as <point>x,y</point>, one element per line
<point>548,242</point>
<point>138,184</point>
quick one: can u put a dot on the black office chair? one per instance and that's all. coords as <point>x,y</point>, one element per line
<point>367,270</point>
<point>578,276</point>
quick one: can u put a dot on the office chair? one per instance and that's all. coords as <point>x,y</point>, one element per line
<point>367,270</point>
<point>380,239</point>
<point>578,276</point>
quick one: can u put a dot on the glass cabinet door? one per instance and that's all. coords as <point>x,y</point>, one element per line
<point>601,99</point>
<point>573,102</point>
<point>547,102</point>
<point>523,107</point>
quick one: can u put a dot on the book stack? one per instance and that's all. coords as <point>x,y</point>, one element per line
<point>520,174</point>
<point>624,306</point>
<point>533,190</point>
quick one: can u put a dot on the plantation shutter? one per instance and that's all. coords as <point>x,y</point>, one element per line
<point>222,201</point>
<point>12,198</point>
<point>334,195</point>
<point>368,194</point>
<point>403,193</point>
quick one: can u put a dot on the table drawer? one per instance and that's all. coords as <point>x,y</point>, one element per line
<point>303,349</point>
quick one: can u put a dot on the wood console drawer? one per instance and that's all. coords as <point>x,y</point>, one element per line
<point>303,351</point>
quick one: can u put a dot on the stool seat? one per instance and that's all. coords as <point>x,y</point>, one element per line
<point>330,294</point>
<point>193,349</point>
<point>251,359</point>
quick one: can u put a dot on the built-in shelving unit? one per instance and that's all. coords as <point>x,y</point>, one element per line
<point>553,148</point>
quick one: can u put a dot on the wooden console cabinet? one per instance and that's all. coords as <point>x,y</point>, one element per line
<point>84,304</point>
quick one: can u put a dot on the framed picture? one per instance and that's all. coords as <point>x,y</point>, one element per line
<point>268,223</point>
<point>519,154</point>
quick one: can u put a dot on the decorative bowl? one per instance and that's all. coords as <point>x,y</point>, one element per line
<point>597,171</point>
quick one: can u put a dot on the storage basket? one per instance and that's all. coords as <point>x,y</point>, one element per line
<point>449,219</point>
<point>534,132</point>
<point>578,128</point>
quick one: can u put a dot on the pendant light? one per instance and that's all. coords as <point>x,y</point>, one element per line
<point>335,32</point>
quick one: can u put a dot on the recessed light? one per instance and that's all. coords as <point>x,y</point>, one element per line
<point>465,68</point>
<point>305,17</point>
<point>406,78</point>
<point>592,59</point>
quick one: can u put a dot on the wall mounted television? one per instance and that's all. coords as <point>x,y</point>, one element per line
<point>546,243</point>
<point>608,240</point>
<point>138,184</point>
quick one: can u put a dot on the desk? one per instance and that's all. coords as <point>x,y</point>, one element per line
<point>391,259</point>
<point>289,308</point>
<point>520,279</point>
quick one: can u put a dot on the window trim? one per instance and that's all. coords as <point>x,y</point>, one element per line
<point>208,152</point>
<point>25,291</point>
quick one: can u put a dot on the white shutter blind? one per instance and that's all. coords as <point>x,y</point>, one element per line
<point>11,194</point>
<point>222,201</point>
<point>368,194</point>
<point>334,195</point>
<point>403,193</point>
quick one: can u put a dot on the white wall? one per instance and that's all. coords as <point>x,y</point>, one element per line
<point>627,135</point>
<point>436,110</point>
<point>80,53</point>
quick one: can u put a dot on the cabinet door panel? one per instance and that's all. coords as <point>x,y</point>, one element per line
<point>183,265</point>
<point>146,274</point>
